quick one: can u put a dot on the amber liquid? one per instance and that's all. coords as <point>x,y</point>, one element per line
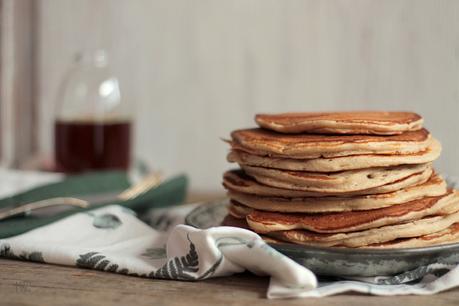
<point>83,145</point>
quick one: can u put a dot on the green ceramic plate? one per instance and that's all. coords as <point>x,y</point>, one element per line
<point>339,261</point>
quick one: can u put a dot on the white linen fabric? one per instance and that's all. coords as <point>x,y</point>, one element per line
<point>113,239</point>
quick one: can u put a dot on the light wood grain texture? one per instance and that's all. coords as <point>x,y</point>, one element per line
<point>194,197</point>
<point>198,69</point>
<point>24,283</point>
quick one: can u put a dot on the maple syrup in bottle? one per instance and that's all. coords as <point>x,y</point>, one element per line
<point>93,127</point>
<point>92,145</point>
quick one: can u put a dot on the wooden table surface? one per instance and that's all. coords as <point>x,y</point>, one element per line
<point>26,283</point>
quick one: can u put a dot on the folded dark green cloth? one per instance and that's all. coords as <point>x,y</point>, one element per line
<point>170,192</point>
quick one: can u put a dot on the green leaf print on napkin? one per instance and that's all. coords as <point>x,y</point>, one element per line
<point>106,221</point>
<point>179,267</point>
<point>7,252</point>
<point>155,253</point>
<point>96,261</point>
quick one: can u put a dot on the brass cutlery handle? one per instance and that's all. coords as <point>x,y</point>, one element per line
<point>149,182</point>
<point>25,208</point>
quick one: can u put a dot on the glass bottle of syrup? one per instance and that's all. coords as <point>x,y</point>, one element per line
<point>92,129</point>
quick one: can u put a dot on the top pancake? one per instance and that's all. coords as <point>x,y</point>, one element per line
<point>303,146</point>
<point>376,123</point>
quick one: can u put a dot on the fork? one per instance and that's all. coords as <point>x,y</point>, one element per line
<point>149,182</point>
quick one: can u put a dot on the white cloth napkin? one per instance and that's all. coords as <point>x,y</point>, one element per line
<point>113,239</point>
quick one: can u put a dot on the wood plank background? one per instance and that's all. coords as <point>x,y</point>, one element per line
<point>198,69</point>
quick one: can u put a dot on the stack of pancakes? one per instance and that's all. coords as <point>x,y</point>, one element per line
<point>358,179</point>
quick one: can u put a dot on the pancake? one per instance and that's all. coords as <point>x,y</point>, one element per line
<point>378,123</point>
<point>239,211</point>
<point>236,222</point>
<point>435,186</point>
<point>337,182</point>
<point>237,180</point>
<point>305,146</point>
<point>343,222</point>
<point>335,164</point>
<point>241,223</point>
<point>417,228</point>
<point>448,235</point>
